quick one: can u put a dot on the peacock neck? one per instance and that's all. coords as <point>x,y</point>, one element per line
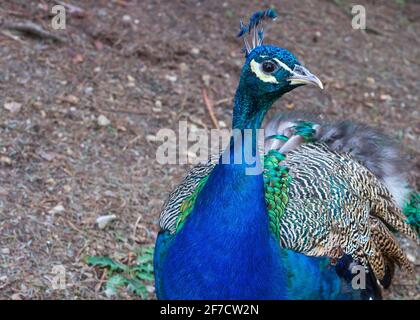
<point>249,110</point>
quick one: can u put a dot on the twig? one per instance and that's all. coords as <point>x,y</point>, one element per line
<point>209,106</point>
<point>11,36</point>
<point>138,113</point>
<point>101,281</point>
<point>132,141</point>
<point>222,101</point>
<point>35,30</point>
<point>75,10</point>
<point>136,226</point>
<point>79,253</point>
<point>14,13</point>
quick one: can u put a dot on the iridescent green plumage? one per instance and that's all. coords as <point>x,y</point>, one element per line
<point>188,204</point>
<point>412,211</point>
<point>305,129</point>
<point>276,181</point>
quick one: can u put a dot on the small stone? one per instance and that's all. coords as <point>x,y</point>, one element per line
<point>222,124</point>
<point>411,257</point>
<point>126,18</point>
<point>206,79</point>
<point>72,99</point>
<point>370,80</point>
<point>6,160</point>
<point>151,138</point>
<point>171,78</point>
<point>195,51</point>
<point>5,251</point>
<point>183,67</point>
<point>103,221</point>
<point>103,121</point>
<point>385,97</point>
<point>57,209</point>
<point>110,293</point>
<point>131,78</point>
<point>88,90</point>
<point>158,104</point>
<point>13,107</point>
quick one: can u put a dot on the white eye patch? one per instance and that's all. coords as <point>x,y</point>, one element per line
<point>283,65</point>
<point>256,68</point>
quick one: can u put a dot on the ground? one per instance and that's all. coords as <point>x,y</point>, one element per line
<point>143,65</point>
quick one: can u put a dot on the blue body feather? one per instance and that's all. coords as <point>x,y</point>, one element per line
<point>225,249</point>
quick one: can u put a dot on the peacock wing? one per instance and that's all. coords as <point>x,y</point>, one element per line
<point>181,200</point>
<point>335,206</point>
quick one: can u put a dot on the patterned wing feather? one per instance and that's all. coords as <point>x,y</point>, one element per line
<point>173,206</point>
<point>336,206</point>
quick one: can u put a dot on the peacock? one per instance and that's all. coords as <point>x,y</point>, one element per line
<point>319,200</point>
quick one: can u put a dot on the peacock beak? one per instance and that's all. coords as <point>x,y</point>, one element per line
<point>302,75</point>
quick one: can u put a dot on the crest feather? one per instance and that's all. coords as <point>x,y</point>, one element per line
<point>257,36</point>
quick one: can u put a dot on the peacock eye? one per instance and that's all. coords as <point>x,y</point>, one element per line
<point>269,67</point>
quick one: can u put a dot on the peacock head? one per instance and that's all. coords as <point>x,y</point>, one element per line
<point>273,71</point>
<point>270,71</point>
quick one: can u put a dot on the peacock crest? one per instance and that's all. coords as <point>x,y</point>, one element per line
<point>255,29</point>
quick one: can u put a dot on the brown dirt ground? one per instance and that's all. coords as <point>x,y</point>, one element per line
<point>144,72</point>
